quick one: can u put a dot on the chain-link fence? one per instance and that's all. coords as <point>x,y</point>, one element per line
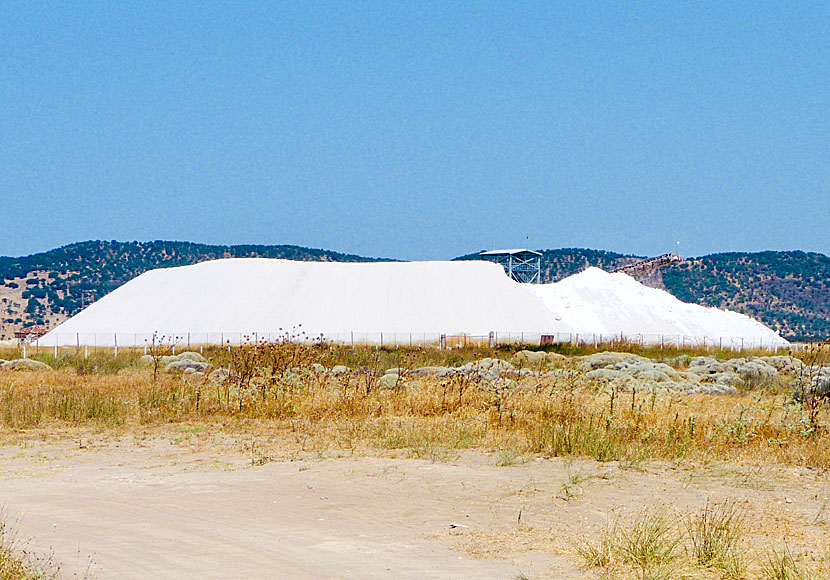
<point>61,342</point>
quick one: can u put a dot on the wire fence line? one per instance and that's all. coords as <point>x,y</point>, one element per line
<point>61,342</point>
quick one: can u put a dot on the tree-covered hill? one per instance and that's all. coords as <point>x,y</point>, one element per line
<point>787,291</point>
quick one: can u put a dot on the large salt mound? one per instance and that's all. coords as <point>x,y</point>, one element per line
<point>222,299</point>
<point>225,299</point>
<point>595,302</point>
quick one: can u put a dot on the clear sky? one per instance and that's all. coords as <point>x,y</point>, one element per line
<point>417,130</point>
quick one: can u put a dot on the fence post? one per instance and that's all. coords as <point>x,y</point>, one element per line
<point>115,342</point>
<point>188,341</point>
<point>442,342</point>
<point>24,350</point>
<point>492,339</point>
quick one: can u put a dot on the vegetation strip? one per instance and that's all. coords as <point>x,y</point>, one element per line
<point>338,397</point>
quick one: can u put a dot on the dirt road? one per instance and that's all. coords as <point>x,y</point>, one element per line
<point>152,509</point>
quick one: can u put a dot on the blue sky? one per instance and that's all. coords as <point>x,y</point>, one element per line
<point>417,130</point>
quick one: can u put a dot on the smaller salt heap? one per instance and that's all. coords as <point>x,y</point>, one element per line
<point>602,303</point>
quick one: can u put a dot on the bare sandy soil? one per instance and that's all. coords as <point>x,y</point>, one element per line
<point>174,507</point>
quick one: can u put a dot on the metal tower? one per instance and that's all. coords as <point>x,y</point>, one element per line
<point>523,266</point>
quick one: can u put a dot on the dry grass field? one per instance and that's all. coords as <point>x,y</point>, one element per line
<point>561,476</point>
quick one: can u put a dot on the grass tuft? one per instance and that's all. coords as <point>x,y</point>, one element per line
<point>714,535</point>
<point>651,543</point>
<point>782,565</point>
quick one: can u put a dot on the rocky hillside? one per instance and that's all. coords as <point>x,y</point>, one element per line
<point>788,291</point>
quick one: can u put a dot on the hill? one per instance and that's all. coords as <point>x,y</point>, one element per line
<point>788,291</point>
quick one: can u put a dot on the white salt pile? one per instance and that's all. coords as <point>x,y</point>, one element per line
<point>225,299</point>
<point>595,302</point>
<point>256,295</point>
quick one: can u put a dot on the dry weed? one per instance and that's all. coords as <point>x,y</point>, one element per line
<point>555,415</point>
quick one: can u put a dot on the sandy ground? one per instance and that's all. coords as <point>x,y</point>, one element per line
<point>161,507</point>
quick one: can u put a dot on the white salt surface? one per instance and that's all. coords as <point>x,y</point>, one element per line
<point>601,303</point>
<point>224,299</point>
<point>247,295</point>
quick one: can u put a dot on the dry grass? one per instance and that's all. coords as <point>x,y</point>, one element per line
<point>656,351</point>
<point>565,415</point>
<point>389,356</point>
<point>714,536</point>
<point>653,545</point>
<point>274,397</point>
<point>781,564</point>
<point>16,563</point>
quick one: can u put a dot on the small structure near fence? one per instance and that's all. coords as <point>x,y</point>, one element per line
<point>29,334</point>
<point>523,266</point>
